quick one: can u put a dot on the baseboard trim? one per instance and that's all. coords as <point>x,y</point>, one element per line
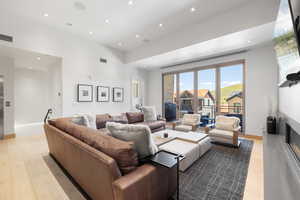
<point>255,137</point>
<point>9,136</point>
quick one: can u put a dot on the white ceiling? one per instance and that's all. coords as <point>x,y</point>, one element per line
<point>125,21</point>
<point>243,40</point>
<point>27,59</point>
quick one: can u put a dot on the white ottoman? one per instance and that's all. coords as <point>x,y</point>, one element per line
<point>204,145</point>
<point>190,150</point>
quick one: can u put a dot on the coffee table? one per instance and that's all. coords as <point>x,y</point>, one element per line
<point>192,145</point>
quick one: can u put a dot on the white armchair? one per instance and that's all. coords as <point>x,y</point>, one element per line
<point>227,131</point>
<point>189,122</point>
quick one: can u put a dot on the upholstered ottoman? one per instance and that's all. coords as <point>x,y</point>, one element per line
<point>190,150</point>
<point>204,145</point>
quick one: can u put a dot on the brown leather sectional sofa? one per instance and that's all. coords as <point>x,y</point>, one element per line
<point>106,168</point>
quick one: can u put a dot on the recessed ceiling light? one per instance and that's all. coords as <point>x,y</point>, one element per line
<point>91,33</point>
<point>120,43</point>
<point>137,35</point>
<point>161,25</point>
<point>130,3</point>
<point>46,14</point>
<point>107,21</point>
<point>193,9</point>
<point>38,58</point>
<point>249,41</point>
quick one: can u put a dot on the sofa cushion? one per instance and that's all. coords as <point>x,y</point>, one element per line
<point>121,151</point>
<point>102,119</point>
<point>149,113</point>
<point>140,135</point>
<point>134,117</point>
<point>153,124</point>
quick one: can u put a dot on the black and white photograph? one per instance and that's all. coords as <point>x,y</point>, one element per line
<point>118,94</point>
<point>84,93</point>
<point>102,94</point>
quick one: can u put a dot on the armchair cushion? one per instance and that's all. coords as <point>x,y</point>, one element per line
<point>184,128</point>
<point>191,119</point>
<point>227,123</point>
<point>221,133</point>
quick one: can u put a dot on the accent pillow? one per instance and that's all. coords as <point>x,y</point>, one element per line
<point>85,120</point>
<point>149,113</point>
<point>102,119</point>
<point>90,120</point>
<point>140,135</point>
<point>122,119</point>
<point>135,117</point>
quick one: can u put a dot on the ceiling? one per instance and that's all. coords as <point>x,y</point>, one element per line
<point>128,26</point>
<point>236,42</point>
<point>27,59</point>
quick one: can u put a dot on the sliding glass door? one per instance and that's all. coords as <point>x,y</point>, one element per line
<point>231,91</point>
<point>209,91</point>
<point>206,101</point>
<point>170,97</point>
<point>186,93</point>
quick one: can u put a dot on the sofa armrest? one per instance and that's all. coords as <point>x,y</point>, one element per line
<point>136,185</point>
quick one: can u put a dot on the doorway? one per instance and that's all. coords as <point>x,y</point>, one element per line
<point>1,107</point>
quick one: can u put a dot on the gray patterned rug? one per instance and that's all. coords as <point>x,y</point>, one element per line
<point>219,175</point>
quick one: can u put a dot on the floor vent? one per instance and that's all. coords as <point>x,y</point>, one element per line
<point>6,38</point>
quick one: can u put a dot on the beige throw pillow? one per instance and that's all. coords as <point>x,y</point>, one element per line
<point>149,113</point>
<point>140,135</point>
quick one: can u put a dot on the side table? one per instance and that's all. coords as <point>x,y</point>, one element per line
<point>167,159</point>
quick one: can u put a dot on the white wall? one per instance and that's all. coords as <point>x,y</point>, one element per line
<point>80,63</point>
<point>7,71</point>
<point>261,84</point>
<point>289,99</point>
<point>35,93</point>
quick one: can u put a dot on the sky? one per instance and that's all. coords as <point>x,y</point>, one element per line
<point>206,78</point>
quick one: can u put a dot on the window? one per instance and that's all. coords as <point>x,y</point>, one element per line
<point>237,108</point>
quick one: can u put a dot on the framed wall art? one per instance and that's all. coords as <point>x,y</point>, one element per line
<point>84,93</point>
<point>102,94</point>
<point>118,94</point>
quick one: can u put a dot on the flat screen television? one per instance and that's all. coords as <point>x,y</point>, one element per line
<point>286,41</point>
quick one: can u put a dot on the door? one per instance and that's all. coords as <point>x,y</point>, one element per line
<point>186,93</point>
<point>1,107</point>
<point>232,91</point>
<point>170,106</point>
<point>206,100</point>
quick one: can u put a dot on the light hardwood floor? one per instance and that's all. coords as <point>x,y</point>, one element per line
<point>28,173</point>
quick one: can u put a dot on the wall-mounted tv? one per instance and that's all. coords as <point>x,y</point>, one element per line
<point>286,41</point>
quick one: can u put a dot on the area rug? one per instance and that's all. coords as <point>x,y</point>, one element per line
<point>219,175</point>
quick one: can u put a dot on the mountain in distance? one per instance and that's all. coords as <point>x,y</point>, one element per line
<point>227,91</point>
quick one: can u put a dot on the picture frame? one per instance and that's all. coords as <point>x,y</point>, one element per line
<point>103,94</point>
<point>84,93</point>
<point>118,94</point>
